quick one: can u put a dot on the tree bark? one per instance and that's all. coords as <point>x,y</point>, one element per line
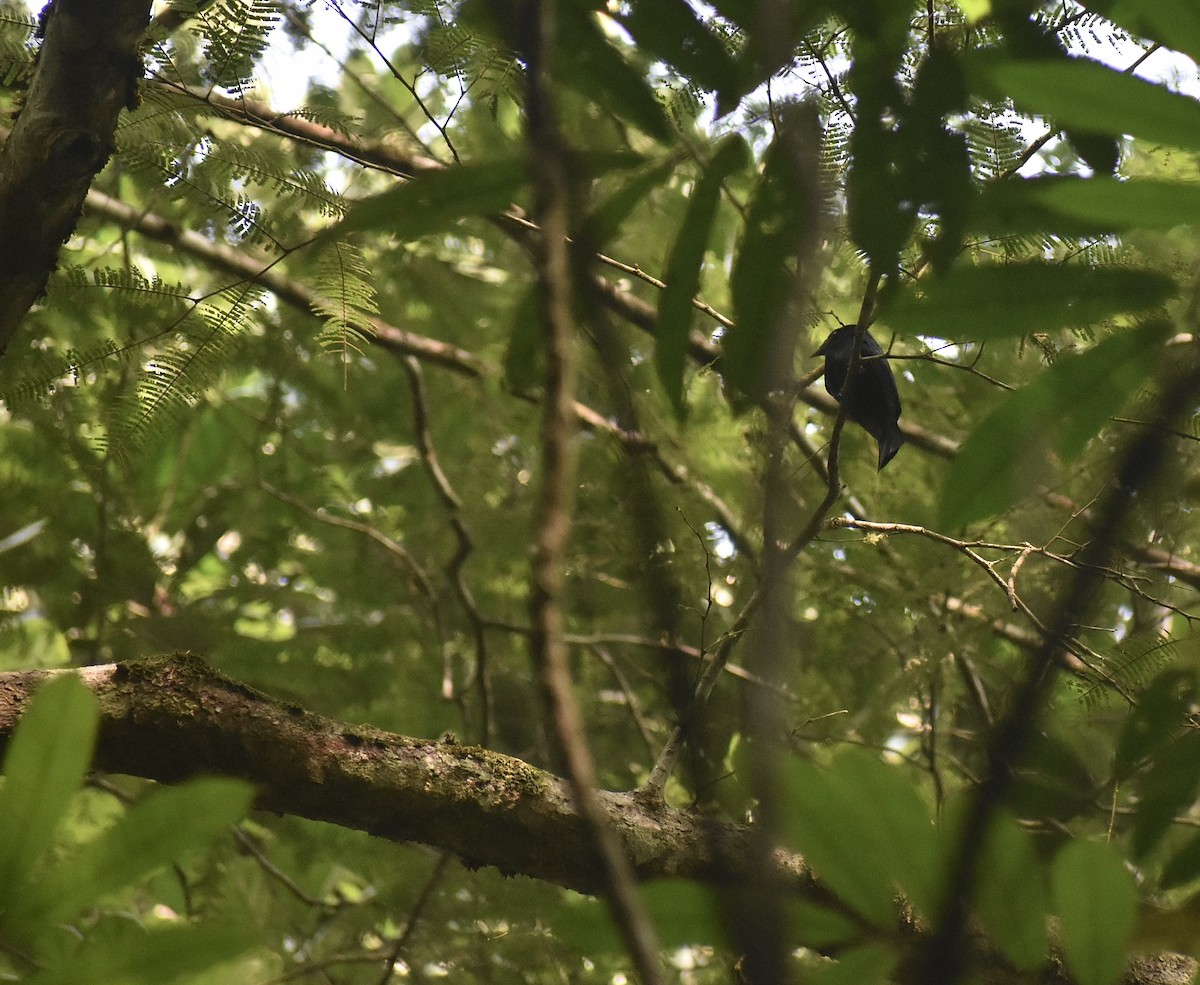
<point>170,718</point>
<point>86,72</point>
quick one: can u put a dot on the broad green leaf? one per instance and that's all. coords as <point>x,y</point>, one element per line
<point>1099,151</point>
<point>671,31</point>
<point>523,358</point>
<point>168,823</point>
<point>935,162</point>
<point>1172,23</point>
<point>1011,895</point>
<point>833,821</point>
<point>974,10</point>
<point>1079,206</point>
<point>838,841</point>
<point>44,769</point>
<point>1168,789</point>
<point>770,41</point>
<point>1114,205</point>
<point>870,964</point>
<point>1162,709</point>
<point>1096,900</point>
<point>999,301</point>
<point>1053,780</point>
<point>606,220</point>
<point>593,67</point>
<point>120,950</point>
<point>819,927</point>
<point>1085,95</point>
<point>1183,866</point>
<point>1061,410</point>
<point>777,234</point>
<point>879,217</point>
<point>903,825</point>
<point>586,62</point>
<point>434,200</point>
<point>685,265</point>
<point>683,912</point>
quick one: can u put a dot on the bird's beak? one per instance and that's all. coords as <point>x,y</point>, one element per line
<point>819,352</point>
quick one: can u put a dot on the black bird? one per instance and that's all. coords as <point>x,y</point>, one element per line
<point>874,402</point>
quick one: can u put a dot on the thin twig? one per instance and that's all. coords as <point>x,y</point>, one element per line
<point>466,546</point>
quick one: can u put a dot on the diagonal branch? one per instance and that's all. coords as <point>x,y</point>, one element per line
<point>248,267</point>
<point>170,718</point>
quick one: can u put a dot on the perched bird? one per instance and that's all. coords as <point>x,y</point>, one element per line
<point>874,402</point>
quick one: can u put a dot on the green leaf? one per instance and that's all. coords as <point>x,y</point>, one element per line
<point>878,216</point>
<point>1085,95</point>
<point>44,769</point>
<point>1099,151</point>
<point>1182,867</point>
<point>593,67</point>
<point>606,219</point>
<point>523,358</point>
<point>870,964</point>
<point>1096,900</point>
<point>1084,206</point>
<point>865,831</point>
<point>1061,410</point>
<point>819,927</point>
<point>1000,301</point>
<point>1168,789</point>
<point>903,825</point>
<point>1053,782</point>
<point>934,161</point>
<point>435,200</point>
<point>781,216</point>
<point>837,840</point>
<point>1011,894</point>
<point>122,951</point>
<point>685,265</point>
<point>671,31</point>
<point>974,10</point>
<point>683,912</point>
<point>168,823</point>
<point>770,42</point>
<point>1162,709</point>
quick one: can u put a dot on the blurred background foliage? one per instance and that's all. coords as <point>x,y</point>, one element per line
<point>283,473</point>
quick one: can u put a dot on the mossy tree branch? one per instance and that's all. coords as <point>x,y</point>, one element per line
<point>171,718</point>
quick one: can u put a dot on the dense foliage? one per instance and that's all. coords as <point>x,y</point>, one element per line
<point>282,405</point>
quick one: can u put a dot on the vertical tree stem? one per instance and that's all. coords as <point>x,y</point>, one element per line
<point>549,166</point>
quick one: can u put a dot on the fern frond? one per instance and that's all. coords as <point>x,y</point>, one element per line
<point>346,300</point>
<point>134,286</point>
<point>38,374</point>
<point>230,162</point>
<point>175,377</point>
<point>223,175</point>
<point>236,34</point>
<point>995,145</point>
<point>683,103</point>
<point>329,117</point>
<point>1134,661</point>
<point>16,53</point>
